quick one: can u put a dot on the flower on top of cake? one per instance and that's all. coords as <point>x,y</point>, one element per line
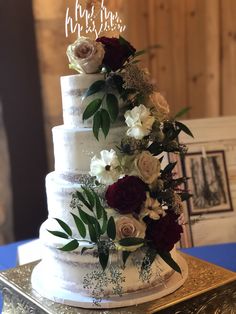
<point>141,203</point>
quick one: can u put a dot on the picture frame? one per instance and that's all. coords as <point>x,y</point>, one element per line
<point>208,183</point>
<point>213,137</point>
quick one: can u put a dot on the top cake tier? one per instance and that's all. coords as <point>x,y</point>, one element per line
<point>74,102</point>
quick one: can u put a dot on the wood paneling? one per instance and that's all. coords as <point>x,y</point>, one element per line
<point>168,63</point>
<point>203,47</point>
<point>195,67</point>
<point>228,9</point>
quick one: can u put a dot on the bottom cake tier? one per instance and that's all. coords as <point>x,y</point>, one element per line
<point>78,280</point>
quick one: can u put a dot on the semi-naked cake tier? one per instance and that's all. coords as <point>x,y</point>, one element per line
<point>61,276</point>
<point>74,147</point>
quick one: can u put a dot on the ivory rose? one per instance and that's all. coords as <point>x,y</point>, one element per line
<point>85,55</point>
<point>147,166</point>
<point>129,227</point>
<point>159,106</point>
<point>139,121</point>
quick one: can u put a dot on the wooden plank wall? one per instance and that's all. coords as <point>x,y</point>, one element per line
<point>195,66</point>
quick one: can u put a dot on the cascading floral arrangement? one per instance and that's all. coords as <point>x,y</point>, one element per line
<point>142,204</point>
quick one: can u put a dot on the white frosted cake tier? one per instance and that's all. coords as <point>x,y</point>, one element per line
<point>74,148</point>
<point>59,196</point>
<point>74,102</point>
<point>67,271</point>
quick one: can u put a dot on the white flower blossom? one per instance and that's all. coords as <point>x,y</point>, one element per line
<point>139,121</point>
<point>107,168</point>
<point>152,208</point>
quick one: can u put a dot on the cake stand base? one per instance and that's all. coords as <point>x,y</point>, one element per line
<point>208,289</point>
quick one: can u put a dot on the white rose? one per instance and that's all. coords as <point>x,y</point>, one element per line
<point>139,121</point>
<point>85,55</point>
<point>147,166</point>
<point>129,227</point>
<point>107,168</point>
<point>159,106</point>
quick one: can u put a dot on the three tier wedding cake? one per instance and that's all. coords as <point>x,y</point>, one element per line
<point>115,205</point>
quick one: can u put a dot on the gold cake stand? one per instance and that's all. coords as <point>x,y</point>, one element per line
<point>208,289</point>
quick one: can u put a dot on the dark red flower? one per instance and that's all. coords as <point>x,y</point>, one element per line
<point>117,51</point>
<point>126,195</point>
<point>163,233</point>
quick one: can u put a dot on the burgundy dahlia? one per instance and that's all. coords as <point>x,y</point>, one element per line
<point>163,233</point>
<point>126,195</point>
<point>117,52</point>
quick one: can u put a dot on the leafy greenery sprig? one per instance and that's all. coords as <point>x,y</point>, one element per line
<point>97,223</point>
<point>104,110</point>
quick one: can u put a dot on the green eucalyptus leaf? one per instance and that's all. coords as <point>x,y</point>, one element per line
<point>83,200</point>
<point>111,228</point>
<point>71,246</point>
<point>184,128</point>
<point>155,148</point>
<point>80,225</point>
<point>64,226</point>
<point>182,112</point>
<point>103,259</point>
<point>99,207</point>
<point>125,256</point>
<point>87,219</point>
<point>105,122</point>
<point>104,222</point>
<point>89,196</point>
<point>166,256</point>
<point>92,233</point>
<point>169,168</point>
<point>97,121</point>
<point>131,241</point>
<point>95,88</point>
<point>92,108</point>
<point>59,234</point>
<point>112,106</point>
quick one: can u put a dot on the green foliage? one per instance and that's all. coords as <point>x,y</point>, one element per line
<point>184,128</point>
<point>111,228</point>
<point>95,88</point>
<point>92,233</point>
<point>125,256</point>
<point>83,200</point>
<point>64,226</point>
<point>71,246</point>
<point>89,196</point>
<point>168,169</point>
<point>59,234</point>
<point>182,112</point>
<point>97,122</point>
<point>80,225</point>
<point>112,106</point>
<point>92,108</point>
<point>131,241</point>
<point>166,256</point>
<point>103,258</point>
<point>105,122</point>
